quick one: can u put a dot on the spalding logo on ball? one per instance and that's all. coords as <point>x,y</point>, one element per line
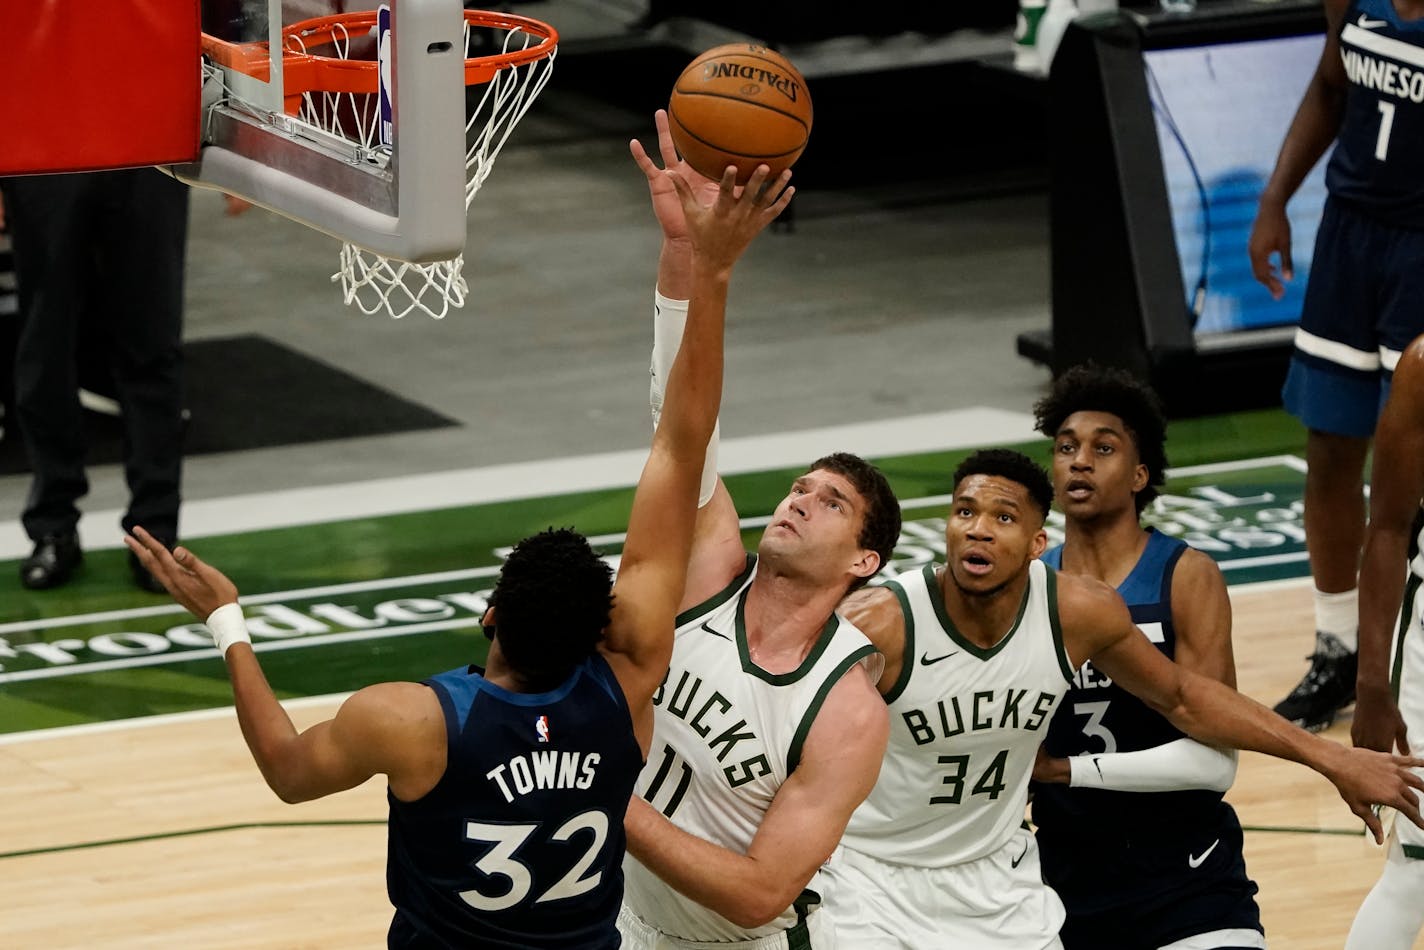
<point>739,104</point>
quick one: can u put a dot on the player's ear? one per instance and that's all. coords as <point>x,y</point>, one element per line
<point>866,564</point>
<point>1140,476</point>
<point>1039,544</point>
<point>487,622</point>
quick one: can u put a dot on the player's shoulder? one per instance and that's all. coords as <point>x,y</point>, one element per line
<point>1083,599</point>
<point>875,612</point>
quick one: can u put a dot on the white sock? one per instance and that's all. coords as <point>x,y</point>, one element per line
<point>1339,616</point>
<point>1392,914</point>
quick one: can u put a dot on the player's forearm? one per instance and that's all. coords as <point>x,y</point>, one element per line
<point>741,888</point>
<point>1172,766</point>
<point>1382,578</point>
<point>675,268</point>
<point>266,727</point>
<point>1218,715</point>
<point>695,379</point>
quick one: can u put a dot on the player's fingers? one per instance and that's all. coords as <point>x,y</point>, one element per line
<point>640,156</point>
<point>1412,779</point>
<point>665,146</point>
<point>1408,806</point>
<point>1371,820</point>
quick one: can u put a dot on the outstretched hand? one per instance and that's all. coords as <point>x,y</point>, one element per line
<point>719,233</point>
<point>666,205</point>
<point>199,587</point>
<point>1369,778</point>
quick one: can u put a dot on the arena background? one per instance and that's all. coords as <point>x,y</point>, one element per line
<point>359,477</point>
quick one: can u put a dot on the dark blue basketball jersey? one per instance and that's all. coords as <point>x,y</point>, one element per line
<point>1099,716</point>
<point>1160,865</point>
<point>521,843</point>
<point>1378,162</point>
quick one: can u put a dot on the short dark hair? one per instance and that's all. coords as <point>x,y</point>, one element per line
<point>1089,387</point>
<point>553,599</point>
<point>1014,466</point>
<point>880,529</point>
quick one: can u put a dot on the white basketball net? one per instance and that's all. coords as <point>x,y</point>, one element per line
<point>373,282</point>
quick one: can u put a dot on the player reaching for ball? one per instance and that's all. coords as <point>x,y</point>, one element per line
<point>507,785</point>
<point>768,729</point>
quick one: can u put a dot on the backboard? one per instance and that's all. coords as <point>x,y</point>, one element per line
<point>372,156</point>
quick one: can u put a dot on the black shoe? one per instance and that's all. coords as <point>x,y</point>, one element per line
<point>52,562</point>
<point>142,578</point>
<point>1328,686</point>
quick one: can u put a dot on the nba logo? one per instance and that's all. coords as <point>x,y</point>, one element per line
<point>541,726</point>
<point>383,60</point>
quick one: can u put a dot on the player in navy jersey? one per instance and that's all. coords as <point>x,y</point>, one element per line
<point>508,785</point>
<point>1111,768</point>
<point>1361,301</point>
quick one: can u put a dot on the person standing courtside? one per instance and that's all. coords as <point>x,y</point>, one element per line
<point>507,786</point>
<point>112,242</point>
<point>1392,616</point>
<point>1110,767</point>
<point>978,653</point>
<point>768,728</point>
<point>1362,300</point>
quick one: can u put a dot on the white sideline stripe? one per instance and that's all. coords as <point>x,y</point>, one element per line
<point>1384,45</point>
<point>930,432</point>
<point>1337,353</point>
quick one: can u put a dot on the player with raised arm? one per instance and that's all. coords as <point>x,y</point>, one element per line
<point>768,728</point>
<point>978,654</point>
<point>508,786</point>
<point>1389,707</point>
<point>1110,767</point>
<point>1361,305</point>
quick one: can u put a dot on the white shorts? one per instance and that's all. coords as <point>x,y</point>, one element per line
<point>638,934</point>
<point>999,900</point>
<point>1409,655</point>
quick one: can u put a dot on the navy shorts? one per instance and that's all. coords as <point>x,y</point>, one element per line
<point>1364,303</point>
<point>1164,885</point>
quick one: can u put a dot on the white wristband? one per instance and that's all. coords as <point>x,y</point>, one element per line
<point>227,626</point>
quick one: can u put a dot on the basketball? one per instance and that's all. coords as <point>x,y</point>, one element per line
<point>739,104</point>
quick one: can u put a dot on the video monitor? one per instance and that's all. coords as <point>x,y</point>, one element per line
<point>1221,111</point>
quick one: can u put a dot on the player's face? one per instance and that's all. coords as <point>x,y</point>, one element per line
<point>815,531</point>
<point>993,530</point>
<point>1096,470</point>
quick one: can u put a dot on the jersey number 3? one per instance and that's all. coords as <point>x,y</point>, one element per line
<point>500,861</point>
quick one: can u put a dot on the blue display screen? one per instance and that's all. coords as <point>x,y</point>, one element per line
<point>1222,112</point>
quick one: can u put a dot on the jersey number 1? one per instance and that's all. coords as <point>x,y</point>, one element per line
<point>1386,123</point>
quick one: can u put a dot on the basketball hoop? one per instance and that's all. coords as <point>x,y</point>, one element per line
<point>332,84</point>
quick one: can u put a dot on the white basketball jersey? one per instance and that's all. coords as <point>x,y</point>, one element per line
<point>965,726</point>
<point>1416,563</point>
<point>726,735</point>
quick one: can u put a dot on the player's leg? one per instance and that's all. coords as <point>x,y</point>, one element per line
<point>52,255</point>
<point>1333,386</point>
<point>147,227</point>
<point>1392,914</point>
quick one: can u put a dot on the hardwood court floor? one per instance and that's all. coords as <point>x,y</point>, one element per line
<point>299,883</point>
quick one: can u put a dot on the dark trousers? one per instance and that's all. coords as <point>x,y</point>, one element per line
<point>110,244</point>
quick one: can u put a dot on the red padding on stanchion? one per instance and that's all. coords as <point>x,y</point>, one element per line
<point>87,86</point>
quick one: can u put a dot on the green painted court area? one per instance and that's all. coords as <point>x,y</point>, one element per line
<point>337,606</point>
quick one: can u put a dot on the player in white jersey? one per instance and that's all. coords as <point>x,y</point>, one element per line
<point>968,709</point>
<point>1393,666</point>
<point>768,730</point>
